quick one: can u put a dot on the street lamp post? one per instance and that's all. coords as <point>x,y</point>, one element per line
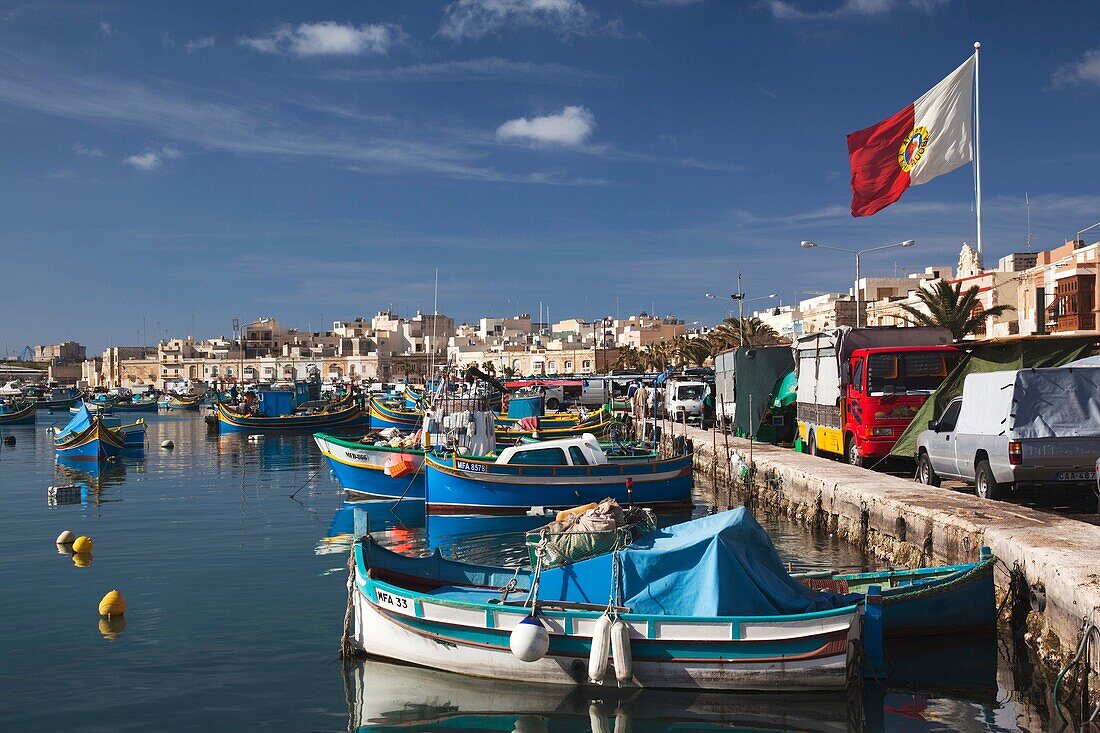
<point>739,296</point>
<point>858,253</point>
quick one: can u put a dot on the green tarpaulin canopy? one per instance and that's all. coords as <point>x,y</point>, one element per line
<point>758,373</point>
<point>787,392</point>
<point>1029,352</point>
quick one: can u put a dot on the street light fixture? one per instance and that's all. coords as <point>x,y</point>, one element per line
<point>858,253</point>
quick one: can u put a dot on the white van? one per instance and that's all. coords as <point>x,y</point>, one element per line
<point>684,399</point>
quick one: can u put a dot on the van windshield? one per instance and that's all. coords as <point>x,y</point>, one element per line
<point>690,392</point>
<point>918,372</point>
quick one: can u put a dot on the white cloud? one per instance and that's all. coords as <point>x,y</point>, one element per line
<point>571,126</point>
<point>788,10</point>
<point>478,18</point>
<point>196,44</point>
<point>482,69</point>
<point>106,28</point>
<point>328,38</point>
<point>87,151</point>
<point>1085,71</point>
<point>152,159</point>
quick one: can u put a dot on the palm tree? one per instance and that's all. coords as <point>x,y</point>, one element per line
<point>629,357</point>
<point>948,307</point>
<point>733,333</point>
<point>688,351</point>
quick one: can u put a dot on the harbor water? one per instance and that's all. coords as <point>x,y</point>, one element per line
<point>231,554</point>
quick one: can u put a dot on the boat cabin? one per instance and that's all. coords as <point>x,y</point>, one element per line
<point>582,451</point>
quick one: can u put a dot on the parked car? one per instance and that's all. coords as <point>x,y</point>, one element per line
<point>1027,427</point>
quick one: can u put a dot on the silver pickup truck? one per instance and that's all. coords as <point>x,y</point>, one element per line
<point>1013,428</point>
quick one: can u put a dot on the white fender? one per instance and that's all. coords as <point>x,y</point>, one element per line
<point>620,651</point>
<point>597,658</point>
<point>529,640</point>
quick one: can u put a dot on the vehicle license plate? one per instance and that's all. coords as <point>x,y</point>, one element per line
<point>471,467</point>
<point>1076,475</point>
<point>395,602</point>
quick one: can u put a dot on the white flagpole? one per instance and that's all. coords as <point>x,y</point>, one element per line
<point>977,150</point>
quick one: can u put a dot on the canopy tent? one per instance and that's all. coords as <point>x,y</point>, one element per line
<point>759,372</point>
<point>721,565</point>
<point>992,356</point>
<point>786,394</point>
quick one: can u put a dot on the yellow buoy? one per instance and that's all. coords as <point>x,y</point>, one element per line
<point>82,544</point>
<point>112,628</point>
<point>82,559</point>
<point>66,538</point>
<point>113,604</point>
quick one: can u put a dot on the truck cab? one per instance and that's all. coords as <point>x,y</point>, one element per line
<point>684,400</point>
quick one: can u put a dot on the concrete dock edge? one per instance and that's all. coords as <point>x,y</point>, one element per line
<point>908,524</point>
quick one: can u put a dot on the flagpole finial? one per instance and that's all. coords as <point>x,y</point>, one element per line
<point>977,45</point>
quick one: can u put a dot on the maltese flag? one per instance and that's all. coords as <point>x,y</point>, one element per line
<point>930,137</point>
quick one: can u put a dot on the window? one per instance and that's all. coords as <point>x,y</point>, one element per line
<point>857,376</point>
<point>577,455</point>
<point>587,364</point>
<point>899,373</point>
<point>950,416</point>
<point>568,366</point>
<point>690,392</point>
<point>539,457</point>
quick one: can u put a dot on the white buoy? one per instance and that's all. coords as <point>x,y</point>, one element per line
<point>66,538</point>
<point>167,444</point>
<point>620,651</point>
<point>597,658</point>
<point>529,640</point>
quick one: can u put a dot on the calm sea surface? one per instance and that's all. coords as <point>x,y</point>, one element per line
<point>236,596</point>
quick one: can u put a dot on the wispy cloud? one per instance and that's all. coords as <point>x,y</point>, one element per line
<point>87,151</point>
<point>474,19</point>
<point>61,175</point>
<point>490,68</point>
<point>1084,72</point>
<point>197,44</point>
<point>572,126</point>
<point>255,128</point>
<point>327,38</point>
<point>152,159</point>
<point>789,10</point>
<point>105,28</point>
<point>766,92</point>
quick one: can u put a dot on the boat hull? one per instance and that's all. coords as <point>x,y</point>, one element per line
<point>24,415</point>
<point>62,404</point>
<point>360,468</point>
<point>230,421</point>
<point>807,652</point>
<point>95,443</point>
<point>462,485</point>
<point>177,403</point>
<point>383,416</point>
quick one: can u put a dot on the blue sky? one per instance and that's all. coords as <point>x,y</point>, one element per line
<point>189,162</point>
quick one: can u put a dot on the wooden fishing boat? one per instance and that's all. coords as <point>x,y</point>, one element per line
<point>17,413</point>
<point>344,414</point>
<point>704,605</point>
<point>88,437</point>
<point>183,402</point>
<point>384,416</point>
<point>930,601</point>
<point>598,423</point>
<point>135,405</point>
<point>552,474</point>
<point>374,471</point>
<point>52,398</point>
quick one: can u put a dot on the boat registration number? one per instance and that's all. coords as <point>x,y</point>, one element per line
<point>1076,476</point>
<point>397,603</point>
<point>471,467</point>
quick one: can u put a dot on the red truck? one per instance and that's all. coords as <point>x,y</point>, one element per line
<point>858,389</point>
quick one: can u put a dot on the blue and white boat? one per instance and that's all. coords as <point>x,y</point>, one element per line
<point>383,415</point>
<point>374,470</point>
<point>17,413</point>
<point>702,605</point>
<point>553,474</point>
<point>93,437</point>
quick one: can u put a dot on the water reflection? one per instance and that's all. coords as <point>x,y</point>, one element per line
<point>935,686</point>
<point>86,482</point>
<point>390,697</point>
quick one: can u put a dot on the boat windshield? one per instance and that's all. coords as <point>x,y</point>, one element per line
<point>919,372</point>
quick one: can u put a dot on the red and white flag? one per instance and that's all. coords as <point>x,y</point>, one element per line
<point>930,137</point>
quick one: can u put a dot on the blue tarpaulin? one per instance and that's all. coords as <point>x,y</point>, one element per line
<point>80,422</point>
<point>720,565</point>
